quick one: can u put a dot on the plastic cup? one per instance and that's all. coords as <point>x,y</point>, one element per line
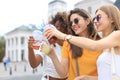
<point>53,39</point>
<point>38,36</point>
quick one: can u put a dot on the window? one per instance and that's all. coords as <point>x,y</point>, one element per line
<point>22,55</point>
<point>16,41</point>
<point>22,40</point>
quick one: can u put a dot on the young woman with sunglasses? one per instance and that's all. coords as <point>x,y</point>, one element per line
<point>80,24</point>
<point>107,21</point>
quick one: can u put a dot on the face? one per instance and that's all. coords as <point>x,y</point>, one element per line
<point>102,22</point>
<point>78,24</point>
<point>58,26</point>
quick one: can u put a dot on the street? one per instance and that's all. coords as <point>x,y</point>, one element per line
<point>20,71</point>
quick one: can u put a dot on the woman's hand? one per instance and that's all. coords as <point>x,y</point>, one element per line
<point>53,32</point>
<point>30,42</point>
<point>51,53</point>
<point>48,50</point>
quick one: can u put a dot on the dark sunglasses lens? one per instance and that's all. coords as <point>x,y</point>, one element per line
<point>97,18</point>
<point>76,21</point>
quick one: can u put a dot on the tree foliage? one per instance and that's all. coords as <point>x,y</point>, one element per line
<point>2,48</point>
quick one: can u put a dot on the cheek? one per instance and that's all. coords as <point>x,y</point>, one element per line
<point>105,24</point>
<point>83,26</point>
<point>81,29</point>
<point>101,26</point>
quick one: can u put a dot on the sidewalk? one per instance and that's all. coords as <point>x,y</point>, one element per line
<point>19,69</point>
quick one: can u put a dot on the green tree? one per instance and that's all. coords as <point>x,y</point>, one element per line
<point>2,48</point>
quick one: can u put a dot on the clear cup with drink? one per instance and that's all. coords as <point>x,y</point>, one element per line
<point>41,42</point>
<point>38,38</point>
<point>47,45</point>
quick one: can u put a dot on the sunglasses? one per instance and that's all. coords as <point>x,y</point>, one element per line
<point>98,17</point>
<point>76,20</point>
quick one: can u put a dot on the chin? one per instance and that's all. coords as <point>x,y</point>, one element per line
<point>98,30</point>
<point>76,32</point>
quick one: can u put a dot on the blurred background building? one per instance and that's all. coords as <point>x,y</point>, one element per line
<point>91,5</point>
<point>117,3</point>
<point>55,6</point>
<point>17,43</point>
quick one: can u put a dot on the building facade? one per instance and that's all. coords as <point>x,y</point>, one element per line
<point>17,43</point>
<point>56,6</point>
<point>91,5</point>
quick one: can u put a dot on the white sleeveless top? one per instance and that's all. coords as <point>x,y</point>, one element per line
<point>104,66</point>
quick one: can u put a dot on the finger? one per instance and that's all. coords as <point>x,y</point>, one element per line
<point>49,35</point>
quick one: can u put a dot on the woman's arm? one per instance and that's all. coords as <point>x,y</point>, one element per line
<point>34,60</point>
<point>112,40</point>
<point>61,67</point>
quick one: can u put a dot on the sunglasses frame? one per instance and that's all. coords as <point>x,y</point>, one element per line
<point>98,17</point>
<point>76,20</point>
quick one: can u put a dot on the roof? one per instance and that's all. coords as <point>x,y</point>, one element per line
<point>54,1</point>
<point>87,1</point>
<point>24,28</point>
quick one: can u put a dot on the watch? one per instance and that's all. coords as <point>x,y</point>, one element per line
<point>68,37</point>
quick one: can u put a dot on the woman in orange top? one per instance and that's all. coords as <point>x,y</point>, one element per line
<point>80,25</point>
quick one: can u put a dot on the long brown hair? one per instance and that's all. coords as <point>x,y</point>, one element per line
<point>92,33</point>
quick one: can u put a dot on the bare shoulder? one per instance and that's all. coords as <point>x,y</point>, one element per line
<point>116,34</point>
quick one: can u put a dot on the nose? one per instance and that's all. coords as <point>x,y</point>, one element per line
<point>94,20</point>
<point>73,24</point>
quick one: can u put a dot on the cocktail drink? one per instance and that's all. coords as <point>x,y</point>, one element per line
<point>45,48</point>
<point>38,36</point>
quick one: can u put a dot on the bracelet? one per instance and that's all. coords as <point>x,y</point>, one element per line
<point>67,37</point>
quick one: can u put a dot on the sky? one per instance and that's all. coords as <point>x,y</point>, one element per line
<point>14,13</point>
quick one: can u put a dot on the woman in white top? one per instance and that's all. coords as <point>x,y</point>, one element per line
<point>107,21</point>
<point>60,22</point>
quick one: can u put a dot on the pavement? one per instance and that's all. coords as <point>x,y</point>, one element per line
<point>20,71</point>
